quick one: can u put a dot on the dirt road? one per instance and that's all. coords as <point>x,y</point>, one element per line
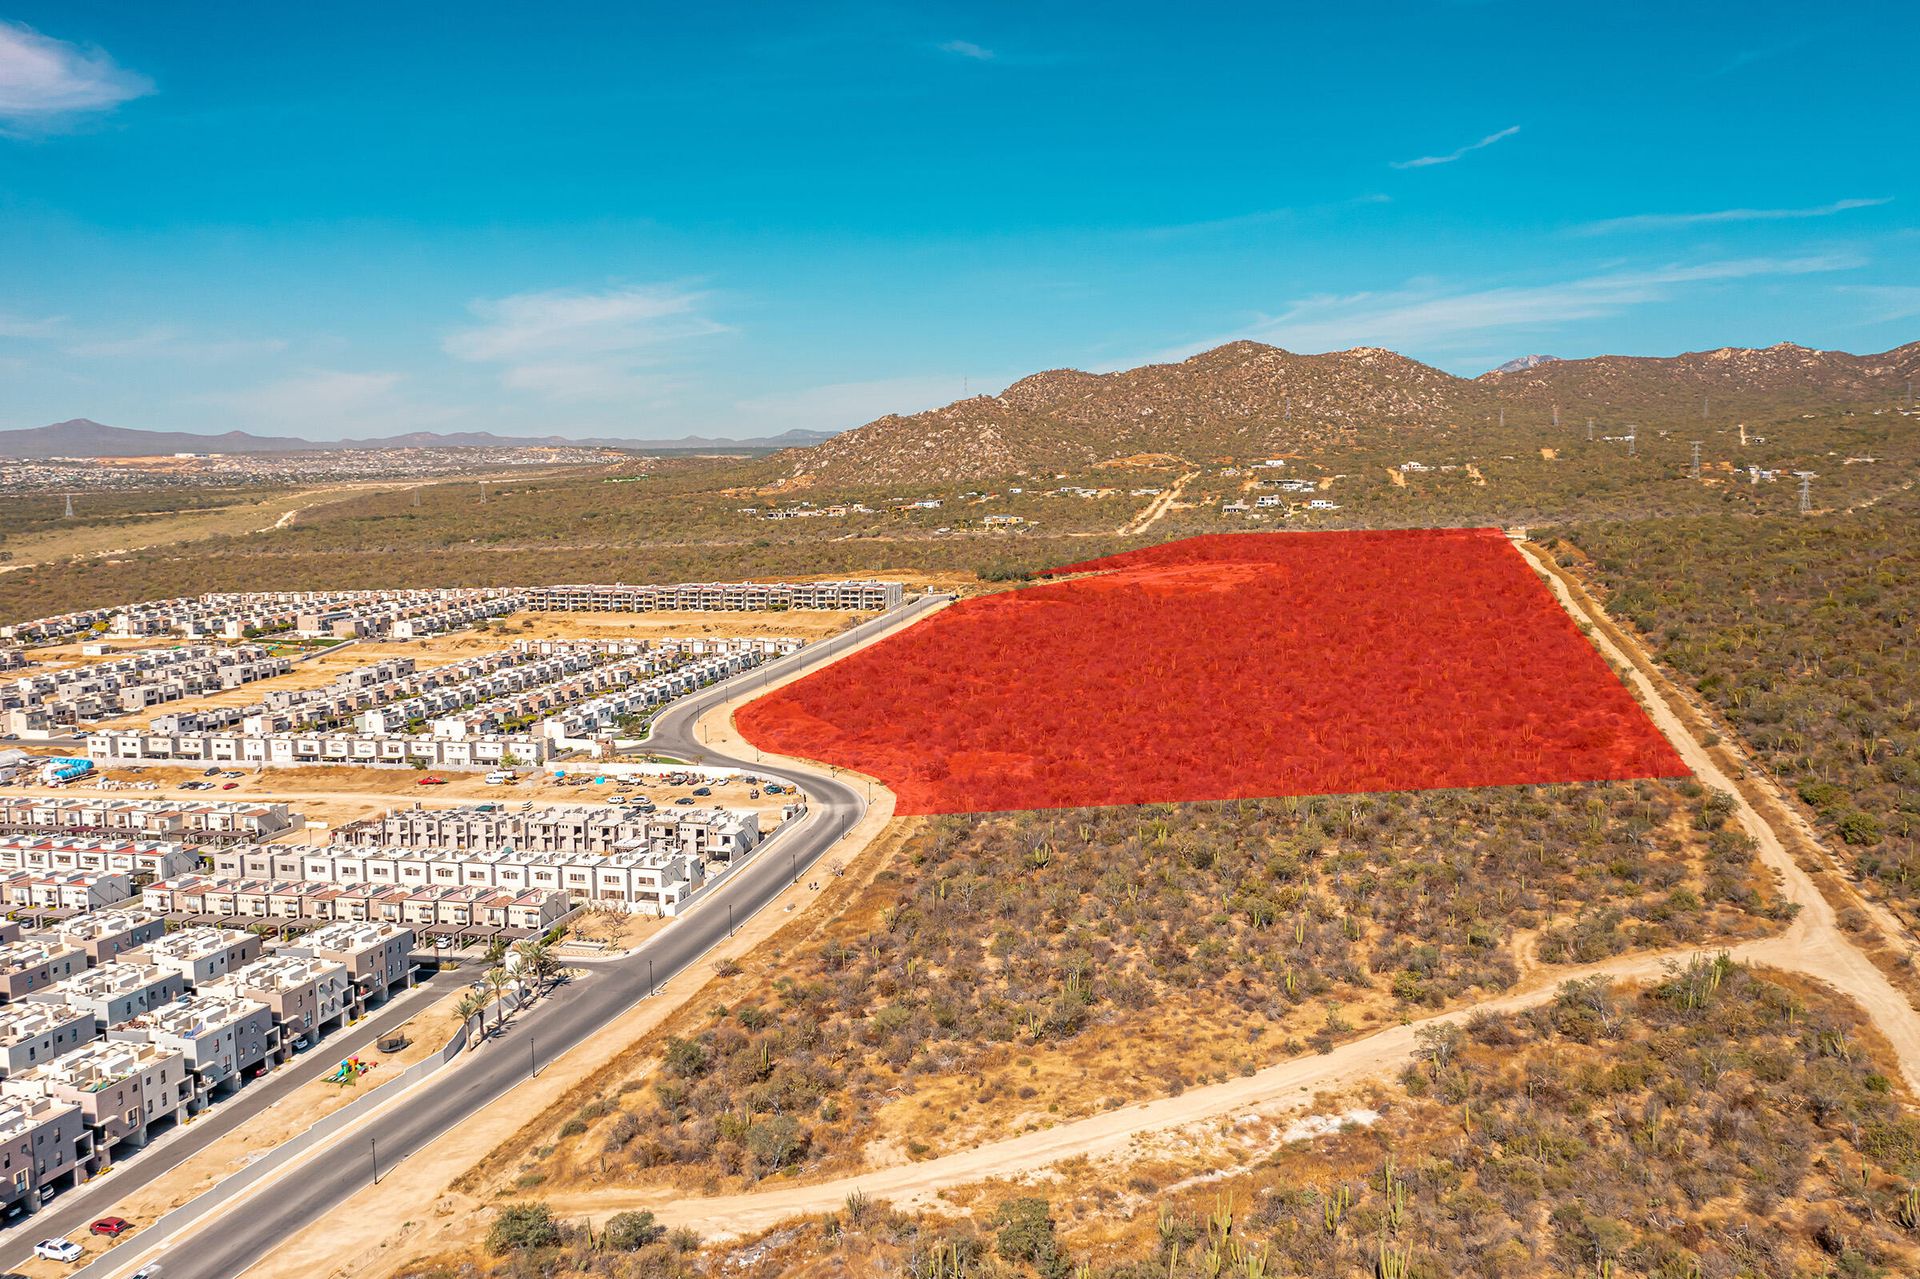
<point>1157,509</point>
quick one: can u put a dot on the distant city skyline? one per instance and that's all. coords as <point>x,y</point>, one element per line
<point>646,221</point>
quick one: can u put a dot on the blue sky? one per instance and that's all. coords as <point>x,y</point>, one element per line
<point>647,220</point>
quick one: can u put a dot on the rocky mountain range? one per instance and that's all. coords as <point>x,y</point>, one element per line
<point>82,437</point>
<point>1246,399</point>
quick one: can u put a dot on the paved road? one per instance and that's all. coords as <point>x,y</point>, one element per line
<point>573,1015</point>
<point>72,1212</point>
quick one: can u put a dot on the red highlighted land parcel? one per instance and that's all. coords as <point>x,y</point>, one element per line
<point>1230,667</point>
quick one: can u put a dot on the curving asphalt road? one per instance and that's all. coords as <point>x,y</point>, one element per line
<point>564,1019</point>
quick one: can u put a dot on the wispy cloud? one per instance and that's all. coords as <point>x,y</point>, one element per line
<point>1667,221</point>
<point>331,404</point>
<point>166,342</point>
<point>1888,301</point>
<point>1433,318</point>
<point>44,82</point>
<point>840,405</point>
<point>967,49</point>
<point>25,326</point>
<point>1426,161</point>
<point>582,345</point>
<point>1259,217</point>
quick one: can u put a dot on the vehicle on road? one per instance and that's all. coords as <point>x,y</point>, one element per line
<point>57,1250</point>
<point>112,1227</point>
<point>149,1271</point>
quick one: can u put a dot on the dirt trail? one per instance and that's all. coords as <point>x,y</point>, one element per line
<point>1813,945</point>
<point>1157,509</point>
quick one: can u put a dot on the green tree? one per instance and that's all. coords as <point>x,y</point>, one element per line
<point>631,1231</point>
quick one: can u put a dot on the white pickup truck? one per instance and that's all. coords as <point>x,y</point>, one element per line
<point>499,777</point>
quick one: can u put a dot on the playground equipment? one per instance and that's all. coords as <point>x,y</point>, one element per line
<point>348,1071</point>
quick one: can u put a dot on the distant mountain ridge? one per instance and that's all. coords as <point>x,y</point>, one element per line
<point>82,437</point>
<point>1248,399</point>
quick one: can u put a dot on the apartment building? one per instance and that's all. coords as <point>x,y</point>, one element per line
<point>202,955</point>
<point>296,750</point>
<point>116,993</point>
<point>64,892</point>
<point>154,819</point>
<point>308,996</point>
<point>45,1145</point>
<point>31,967</point>
<point>122,1089</point>
<point>377,955</point>
<point>219,1036</point>
<point>712,833</point>
<point>104,935</point>
<point>33,1033</point>
<point>446,911</point>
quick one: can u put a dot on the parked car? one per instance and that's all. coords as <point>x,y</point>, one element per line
<point>230,786</point>
<point>211,772</point>
<point>57,1250</point>
<point>301,1044</point>
<point>702,790</point>
<point>112,1227</point>
<point>684,799</point>
<point>431,781</point>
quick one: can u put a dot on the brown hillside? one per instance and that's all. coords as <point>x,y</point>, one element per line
<point>1246,399</point>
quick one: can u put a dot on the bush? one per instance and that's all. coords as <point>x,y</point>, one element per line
<point>1024,1231</point>
<point>522,1226</point>
<point>631,1231</point>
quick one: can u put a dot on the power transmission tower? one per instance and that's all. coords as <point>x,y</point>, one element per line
<point>1693,470</point>
<point>1704,401</point>
<point>1503,419</point>
<point>70,497</point>
<point>1589,430</point>
<point>483,492</point>
<point>1633,441</point>
<point>1806,491</point>
<point>416,497</point>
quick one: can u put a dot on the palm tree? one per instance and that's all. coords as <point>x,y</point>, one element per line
<point>471,1005</point>
<point>498,981</point>
<point>536,963</point>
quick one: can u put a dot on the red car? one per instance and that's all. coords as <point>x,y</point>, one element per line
<point>111,1226</point>
<point>230,786</point>
<point>431,781</point>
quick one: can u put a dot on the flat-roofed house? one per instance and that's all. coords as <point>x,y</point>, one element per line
<point>29,967</point>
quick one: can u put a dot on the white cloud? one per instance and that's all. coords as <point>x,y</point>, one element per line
<point>578,345</point>
<point>1426,161</point>
<point>1662,221</point>
<point>22,326</point>
<point>967,49</point>
<point>1890,301</point>
<point>1431,317</point>
<point>43,80</point>
<point>840,405</point>
<point>330,404</point>
<point>165,342</point>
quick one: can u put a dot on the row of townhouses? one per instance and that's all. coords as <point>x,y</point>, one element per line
<point>411,614</point>
<point>440,910</point>
<point>130,685</point>
<point>91,1064</point>
<point>295,750</point>
<point>638,879</point>
<point>175,819</point>
<point>711,833</point>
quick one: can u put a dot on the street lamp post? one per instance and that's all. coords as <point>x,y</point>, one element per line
<point>373,1146</point>
<point>533,1062</point>
<point>649,976</point>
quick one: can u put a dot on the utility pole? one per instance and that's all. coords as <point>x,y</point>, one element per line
<point>1806,491</point>
<point>1693,470</point>
<point>1589,430</point>
<point>416,497</point>
<point>1503,419</point>
<point>483,492</point>
<point>1704,401</point>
